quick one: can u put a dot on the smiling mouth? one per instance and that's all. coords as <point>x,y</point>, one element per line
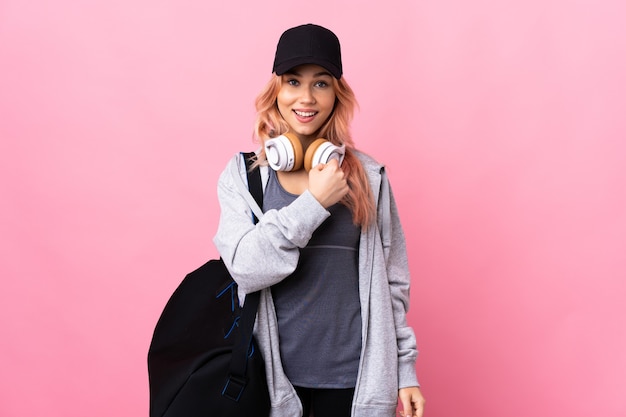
<point>305,113</point>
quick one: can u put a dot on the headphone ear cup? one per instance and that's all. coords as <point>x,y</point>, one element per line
<point>284,153</point>
<point>321,151</point>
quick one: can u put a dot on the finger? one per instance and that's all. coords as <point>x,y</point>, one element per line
<point>407,409</point>
<point>419,408</point>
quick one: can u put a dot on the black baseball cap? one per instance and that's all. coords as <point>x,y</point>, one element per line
<point>308,44</point>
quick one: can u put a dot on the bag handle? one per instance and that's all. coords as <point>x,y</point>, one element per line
<point>237,379</point>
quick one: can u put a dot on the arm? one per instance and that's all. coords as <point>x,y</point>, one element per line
<point>261,255</point>
<point>399,282</point>
<point>399,285</point>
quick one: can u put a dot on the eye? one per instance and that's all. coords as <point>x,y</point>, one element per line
<point>321,84</point>
<point>293,82</point>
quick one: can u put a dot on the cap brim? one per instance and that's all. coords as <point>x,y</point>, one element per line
<point>294,62</point>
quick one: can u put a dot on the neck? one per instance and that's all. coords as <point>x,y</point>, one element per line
<point>294,182</point>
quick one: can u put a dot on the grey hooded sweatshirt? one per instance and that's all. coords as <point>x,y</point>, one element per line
<point>259,256</point>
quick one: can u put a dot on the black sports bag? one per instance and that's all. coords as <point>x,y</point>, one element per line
<point>203,360</point>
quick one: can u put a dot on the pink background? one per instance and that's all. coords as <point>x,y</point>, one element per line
<point>502,123</point>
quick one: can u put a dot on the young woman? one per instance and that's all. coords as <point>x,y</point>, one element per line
<point>328,253</point>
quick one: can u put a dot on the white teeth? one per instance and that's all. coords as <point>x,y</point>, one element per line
<point>305,113</point>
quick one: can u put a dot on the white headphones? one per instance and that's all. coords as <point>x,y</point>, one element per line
<point>284,153</point>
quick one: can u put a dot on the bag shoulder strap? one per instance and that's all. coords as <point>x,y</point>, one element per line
<point>255,185</point>
<point>237,379</point>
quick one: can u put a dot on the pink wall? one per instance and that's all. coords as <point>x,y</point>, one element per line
<point>502,124</point>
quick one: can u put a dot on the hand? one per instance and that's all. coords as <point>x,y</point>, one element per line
<point>412,402</point>
<point>327,183</point>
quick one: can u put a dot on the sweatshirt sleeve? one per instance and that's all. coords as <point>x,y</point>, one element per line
<point>399,283</point>
<point>261,255</point>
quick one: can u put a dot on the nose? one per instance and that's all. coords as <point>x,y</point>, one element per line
<point>307,95</point>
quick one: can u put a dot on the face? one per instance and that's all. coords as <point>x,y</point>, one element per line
<point>306,100</point>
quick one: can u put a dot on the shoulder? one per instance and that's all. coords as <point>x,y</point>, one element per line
<point>236,165</point>
<point>368,161</point>
<point>232,167</point>
<point>235,172</point>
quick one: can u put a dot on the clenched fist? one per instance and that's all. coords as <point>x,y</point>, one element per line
<point>327,183</point>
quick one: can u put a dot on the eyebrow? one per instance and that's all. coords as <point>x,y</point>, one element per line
<point>319,74</point>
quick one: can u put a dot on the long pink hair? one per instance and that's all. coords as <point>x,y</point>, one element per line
<point>269,123</point>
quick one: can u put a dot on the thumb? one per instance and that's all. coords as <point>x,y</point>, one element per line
<point>320,166</point>
<point>407,408</point>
